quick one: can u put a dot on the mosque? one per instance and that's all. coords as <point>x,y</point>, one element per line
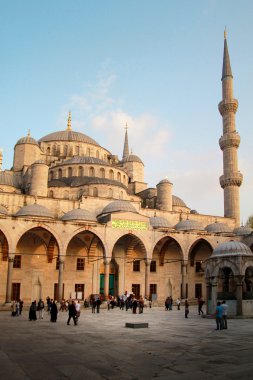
<point>76,220</point>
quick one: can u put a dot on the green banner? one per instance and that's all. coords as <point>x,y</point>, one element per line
<point>129,224</point>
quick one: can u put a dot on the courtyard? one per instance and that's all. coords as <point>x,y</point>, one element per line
<point>101,347</point>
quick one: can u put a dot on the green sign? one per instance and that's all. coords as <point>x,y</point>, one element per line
<point>129,224</point>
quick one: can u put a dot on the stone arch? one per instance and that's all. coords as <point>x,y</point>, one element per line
<point>161,245</point>
<point>4,246</point>
<point>131,241</point>
<point>102,172</point>
<point>80,171</point>
<point>111,174</point>
<point>69,171</point>
<point>91,172</point>
<point>198,253</point>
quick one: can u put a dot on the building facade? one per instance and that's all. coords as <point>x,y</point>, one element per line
<point>76,220</point>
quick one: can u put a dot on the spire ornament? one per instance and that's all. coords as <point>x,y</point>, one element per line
<point>69,122</point>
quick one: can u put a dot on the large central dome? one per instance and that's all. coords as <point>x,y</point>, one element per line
<point>69,135</point>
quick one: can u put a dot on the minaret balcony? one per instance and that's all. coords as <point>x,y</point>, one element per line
<point>234,179</point>
<point>229,140</point>
<point>229,105</point>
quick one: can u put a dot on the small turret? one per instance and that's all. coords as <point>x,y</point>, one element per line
<point>39,179</point>
<point>164,195</point>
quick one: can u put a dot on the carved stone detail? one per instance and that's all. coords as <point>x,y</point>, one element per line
<point>229,140</point>
<point>228,106</point>
<point>235,179</point>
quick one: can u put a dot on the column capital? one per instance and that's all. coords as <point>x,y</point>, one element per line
<point>107,262</point>
<point>148,261</point>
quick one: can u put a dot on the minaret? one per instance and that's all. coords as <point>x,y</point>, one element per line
<point>126,148</point>
<point>231,179</point>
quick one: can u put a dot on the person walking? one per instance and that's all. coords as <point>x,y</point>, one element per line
<point>72,313</point>
<point>98,304</point>
<point>32,312</point>
<point>178,302</point>
<point>186,308</point>
<point>78,309</point>
<point>218,316</point>
<point>54,312</point>
<point>224,307</point>
<point>41,307</point>
<point>200,305</point>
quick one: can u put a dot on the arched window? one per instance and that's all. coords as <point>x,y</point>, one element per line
<point>59,173</point>
<point>91,172</point>
<point>69,172</point>
<point>95,192</point>
<point>111,174</point>
<point>110,193</point>
<point>102,173</point>
<point>119,177</point>
<point>80,171</point>
<point>51,194</point>
<point>48,150</point>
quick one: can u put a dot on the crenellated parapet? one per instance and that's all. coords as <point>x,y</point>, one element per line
<point>230,140</point>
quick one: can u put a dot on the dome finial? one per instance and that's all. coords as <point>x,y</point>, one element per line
<point>225,33</point>
<point>29,133</point>
<point>69,122</point>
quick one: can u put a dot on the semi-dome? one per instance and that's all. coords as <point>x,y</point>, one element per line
<point>79,214</point>
<point>84,160</point>
<point>178,202</point>
<point>243,231</point>
<point>159,222</point>
<point>27,140</point>
<point>119,206</point>
<point>132,158</point>
<point>218,228</point>
<point>8,178</point>
<point>3,210</point>
<point>232,248</point>
<point>35,210</point>
<point>68,135</point>
<point>189,225</point>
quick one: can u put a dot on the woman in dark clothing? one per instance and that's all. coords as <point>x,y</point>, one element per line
<point>32,312</point>
<point>54,312</point>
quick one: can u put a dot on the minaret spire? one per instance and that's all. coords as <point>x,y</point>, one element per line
<point>126,147</point>
<point>226,69</point>
<point>69,123</point>
<point>229,142</point>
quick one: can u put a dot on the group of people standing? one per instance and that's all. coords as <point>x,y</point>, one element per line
<point>16,308</point>
<point>221,313</point>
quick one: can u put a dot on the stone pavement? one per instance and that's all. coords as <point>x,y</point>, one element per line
<point>101,347</point>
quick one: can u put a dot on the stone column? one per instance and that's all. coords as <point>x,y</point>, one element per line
<point>183,269</point>
<point>208,294</point>
<point>106,278</point>
<point>9,278</point>
<point>239,280</point>
<point>213,295</point>
<point>147,277</point>
<point>60,277</point>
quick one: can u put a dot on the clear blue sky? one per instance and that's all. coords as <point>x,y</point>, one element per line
<point>153,64</point>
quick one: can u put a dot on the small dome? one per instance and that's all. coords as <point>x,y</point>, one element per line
<point>218,228</point>
<point>35,210</point>
<point>3,210</point>
<point>165,180</point>
<point>132,158</point>
<point>84,160</point>
<point>159,222</point>
<point>178,202</point>
<point>232,248</point>
<point>189,225</point>
<point>27,140</point>
<point>78,214</point>
<point>120,206</point>
<point>243,231</point>
<point>69,135</point>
